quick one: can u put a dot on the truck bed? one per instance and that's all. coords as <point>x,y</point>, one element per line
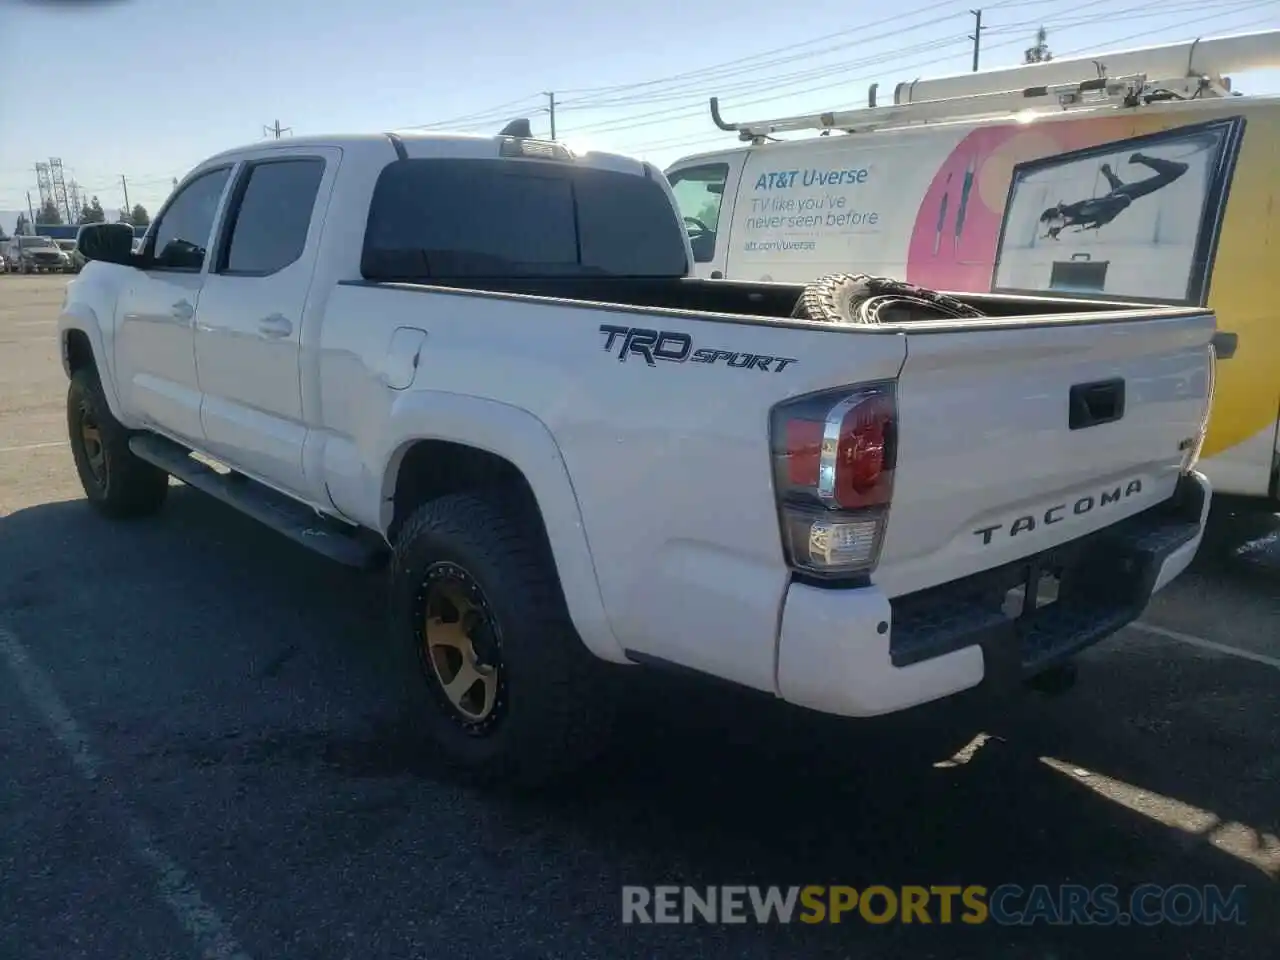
<point>754,300</point>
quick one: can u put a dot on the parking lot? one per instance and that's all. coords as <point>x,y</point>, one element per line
<point>202,754</point>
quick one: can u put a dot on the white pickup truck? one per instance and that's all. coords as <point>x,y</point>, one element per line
<point>484,358</point>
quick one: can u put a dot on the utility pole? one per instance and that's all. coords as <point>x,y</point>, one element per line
<point>976,37</point>
<point>124,184</point>
<point>276,130</point>
<point>551,109</point>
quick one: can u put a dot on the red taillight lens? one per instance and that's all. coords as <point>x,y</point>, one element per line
<point>834,457</point>
<point>863,456</point>
<point>804,452</point>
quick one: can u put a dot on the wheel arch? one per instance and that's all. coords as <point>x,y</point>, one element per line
<point>449,444</point>
<point>81,345</point>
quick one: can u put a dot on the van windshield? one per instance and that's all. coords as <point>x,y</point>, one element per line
<point>453,219</point>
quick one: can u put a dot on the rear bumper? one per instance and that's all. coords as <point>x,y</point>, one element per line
<point>857,653</point>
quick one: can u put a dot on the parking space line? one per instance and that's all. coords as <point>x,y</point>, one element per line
<point>33,446</point>
<point>1194,641</point>
<point>191,910</point>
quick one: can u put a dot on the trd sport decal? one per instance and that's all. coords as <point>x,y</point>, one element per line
<point>655,345</point>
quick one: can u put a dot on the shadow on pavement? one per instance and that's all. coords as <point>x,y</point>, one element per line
<point>1242,538</point>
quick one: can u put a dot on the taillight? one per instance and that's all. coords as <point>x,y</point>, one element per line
<point>834,455</point>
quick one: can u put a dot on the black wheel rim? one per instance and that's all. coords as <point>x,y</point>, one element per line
<point>459,648</point>
<point>95,454</point>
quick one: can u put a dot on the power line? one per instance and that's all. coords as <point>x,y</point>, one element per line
<point>720,139</point>
<point>857,34</point>
<point>682,86</point>
<point>489,115</point>
<point>777,81</point>
<point>1147,33</point>
<point>681,96</point>
<point>776,84</point>
<point>668,115</point>
<point>748,63</point>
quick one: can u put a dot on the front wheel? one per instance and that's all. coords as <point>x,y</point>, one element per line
<point>498,676</point>
<point>116,482</point>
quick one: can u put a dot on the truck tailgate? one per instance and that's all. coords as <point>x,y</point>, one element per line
<point>1017,438</point>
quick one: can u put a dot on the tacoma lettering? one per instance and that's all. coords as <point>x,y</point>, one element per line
<point>654,345</point>
<point>1056,513</point>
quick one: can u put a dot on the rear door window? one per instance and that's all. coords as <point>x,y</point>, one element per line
<point>270,226</point>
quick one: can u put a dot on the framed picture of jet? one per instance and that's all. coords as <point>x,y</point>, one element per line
<point>1134,219</point>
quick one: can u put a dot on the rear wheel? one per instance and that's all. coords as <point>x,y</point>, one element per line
<point>498,676</point>
<point>116,482</point>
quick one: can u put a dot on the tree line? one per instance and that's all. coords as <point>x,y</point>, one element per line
<point>91,212</point>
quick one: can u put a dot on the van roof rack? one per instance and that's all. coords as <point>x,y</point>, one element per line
<point>1195,69</point>
<point>1089,94</point>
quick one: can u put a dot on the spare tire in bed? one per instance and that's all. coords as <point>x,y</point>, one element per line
<point>859,298</point>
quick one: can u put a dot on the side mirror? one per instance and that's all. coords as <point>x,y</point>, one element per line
<point>108,242</point>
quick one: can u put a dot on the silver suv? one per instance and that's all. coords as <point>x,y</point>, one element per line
<point>36,255</point>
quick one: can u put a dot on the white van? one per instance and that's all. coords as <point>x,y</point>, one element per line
<point>1152,184</point>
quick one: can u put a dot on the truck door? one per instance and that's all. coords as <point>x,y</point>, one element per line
<point>248,332</point>
<point>705,191</point>
<point>154,345</point>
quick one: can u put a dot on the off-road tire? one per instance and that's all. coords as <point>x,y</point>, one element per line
<point>129,486</point>
<point>846,298</point>
<point>555,696</point>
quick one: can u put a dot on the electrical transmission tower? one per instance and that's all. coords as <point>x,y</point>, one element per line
<point>276,130</point>
<point>1040,53</point>
<point>59,187</point>
<point>44,184</point>
<point>73,198</point>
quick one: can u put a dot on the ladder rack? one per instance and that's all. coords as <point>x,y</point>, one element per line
<point>1214,57</point>
<point>1195,69</point>
<point>1130,91</point>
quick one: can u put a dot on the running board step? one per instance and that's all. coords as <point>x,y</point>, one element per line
<point>348,546</point>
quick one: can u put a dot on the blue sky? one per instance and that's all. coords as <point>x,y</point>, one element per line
<point>166,82</point>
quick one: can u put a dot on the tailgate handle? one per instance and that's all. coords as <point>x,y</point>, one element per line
<point>1096,403</point>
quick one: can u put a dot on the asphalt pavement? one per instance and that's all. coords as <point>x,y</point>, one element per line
<point>202,754</point>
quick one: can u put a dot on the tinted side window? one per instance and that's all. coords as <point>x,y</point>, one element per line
<point>628,227</point>
<point>182,232</point>
<point>518,218</point>
<point>473,221</point>
<point>274,215</point>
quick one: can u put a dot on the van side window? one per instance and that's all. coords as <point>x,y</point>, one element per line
<point>699,193</point>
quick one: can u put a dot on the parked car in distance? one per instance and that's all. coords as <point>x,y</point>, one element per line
<point>75,262</point>
<point>37,255</point>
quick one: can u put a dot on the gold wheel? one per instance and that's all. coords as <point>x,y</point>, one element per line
<point>91,439</point>
<point>460,646</point>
